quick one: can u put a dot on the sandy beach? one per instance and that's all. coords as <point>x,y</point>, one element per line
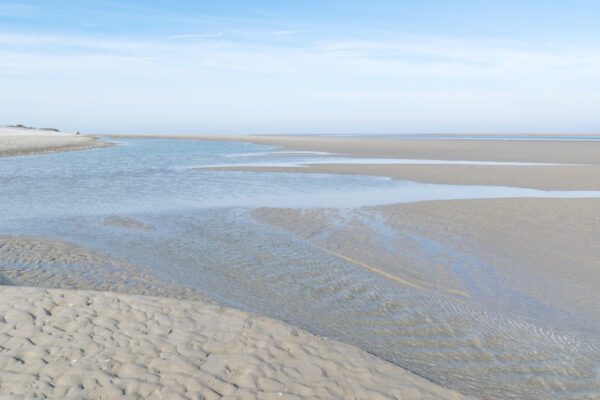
<point>80,344</point>
<point>25,141</point>
<point>156,341</point>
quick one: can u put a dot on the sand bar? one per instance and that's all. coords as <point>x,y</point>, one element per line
<point>551,177</point>
<point>25,141</point>
<point>535,177</point>
<point>540,151</point>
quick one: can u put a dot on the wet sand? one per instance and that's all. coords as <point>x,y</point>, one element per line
<point>550,177</point>
<point>535,177</point>
<point>584,176</point>
<point>517,254</point>
<point>73,344</point>
<point>52,263</point>
<point>24,141</point>
<point>539,151</point>
<point>493,252</point>
<point>128,223</point>
<point>544,249</point>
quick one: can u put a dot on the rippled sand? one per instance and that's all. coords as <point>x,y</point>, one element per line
<point>520,277</point>
<point>90,344</point>
<point>52,263</point>
<point>128,223</point>
<point>496,252</point>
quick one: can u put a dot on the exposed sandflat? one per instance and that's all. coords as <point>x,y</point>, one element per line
<point>563,152</point>
<point>539,177</point>
<point>82,344</point>
<point>536,177</point>
<point>19,141</point>
<point>546,249</point>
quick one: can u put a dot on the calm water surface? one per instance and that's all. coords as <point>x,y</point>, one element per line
<point>206,239</point>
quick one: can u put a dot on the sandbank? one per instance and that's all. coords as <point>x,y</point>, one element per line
<point>26,141</point>
<point>539,151</point>
<point>584,175</point>
<point>535,177</point>
<point>75,344</point>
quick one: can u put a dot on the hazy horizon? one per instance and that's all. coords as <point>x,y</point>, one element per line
<point>340,67</point>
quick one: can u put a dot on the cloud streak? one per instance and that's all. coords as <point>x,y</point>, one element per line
<point>17,10</point>
<point>344,85</point>
<point>407,55</point>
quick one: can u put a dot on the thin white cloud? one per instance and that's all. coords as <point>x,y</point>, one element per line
<point>291,32</point>
<point>17,10</point>
<point>196,36</point>
<point>351,83</point>
<point>412,55</point>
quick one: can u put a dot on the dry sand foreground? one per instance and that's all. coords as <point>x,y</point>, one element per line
<point>99,345</point>
<point>24,141</point>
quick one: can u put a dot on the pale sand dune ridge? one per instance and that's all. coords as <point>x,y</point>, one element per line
<point>99,345</point>
<point>77,344</point>
<point>21,141</point>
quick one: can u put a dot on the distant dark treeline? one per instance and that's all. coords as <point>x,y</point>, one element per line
<point>31,127</point>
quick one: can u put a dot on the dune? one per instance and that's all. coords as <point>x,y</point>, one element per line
<point>17,141</point>
<point>73,344</point>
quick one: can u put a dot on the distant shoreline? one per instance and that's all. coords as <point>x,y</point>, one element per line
<point>22,141</point>
<point>584,176</point>
<point>428,136</point>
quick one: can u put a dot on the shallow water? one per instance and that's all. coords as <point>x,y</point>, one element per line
<point>154,175</point>
<point>205,238</point>
<point>339,159</point>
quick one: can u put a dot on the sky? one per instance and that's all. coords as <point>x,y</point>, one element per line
<point>292,67</point>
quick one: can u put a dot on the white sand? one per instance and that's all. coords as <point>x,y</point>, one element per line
<point>70,344</point>
<point>24,141</point>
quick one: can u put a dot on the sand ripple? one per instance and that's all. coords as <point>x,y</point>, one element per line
<point>82,344</point>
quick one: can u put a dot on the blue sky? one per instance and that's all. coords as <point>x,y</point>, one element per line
<point>301,66</point>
